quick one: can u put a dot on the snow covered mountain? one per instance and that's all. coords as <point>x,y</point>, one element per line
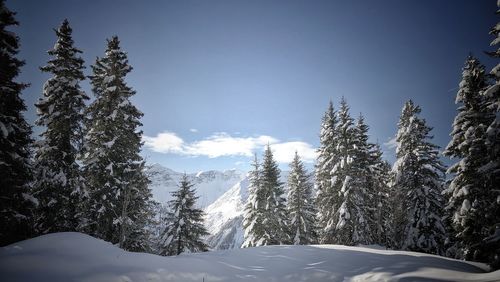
<point>222,195</point>
<point>224,217</point>
<point>210,185</point>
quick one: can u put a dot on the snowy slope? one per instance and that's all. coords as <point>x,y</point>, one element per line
<point>224,217</point>
<point>209,185</point>
<point>78,257</point>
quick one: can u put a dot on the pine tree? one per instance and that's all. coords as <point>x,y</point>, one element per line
<point>467,197</point>
<point>344,182</point>
<point>300,205</point>
<point>254,208</point>
<point>492,168</point>
<point>119,207</point>
<point>185,227</point>
<point>418,182</point>
<point>379,179</point>
<point>327,201</point>
<point>15,140</point>
<point>275,217</point>
<point>59,187</point>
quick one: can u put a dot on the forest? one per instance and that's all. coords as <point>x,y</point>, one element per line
<point>85,172</point>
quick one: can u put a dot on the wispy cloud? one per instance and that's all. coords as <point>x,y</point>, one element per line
<point>194,130</point>
<point>224,145</point>
<point>165,142</point>
<point>284,152</point>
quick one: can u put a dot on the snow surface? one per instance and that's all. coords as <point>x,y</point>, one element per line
<point>77,257</point>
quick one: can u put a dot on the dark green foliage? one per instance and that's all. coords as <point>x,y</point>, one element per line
<point>300,205</point>
<point>184,223</point>
<point>119,206</point>
<point>15,140</point>
<point>59,186</point>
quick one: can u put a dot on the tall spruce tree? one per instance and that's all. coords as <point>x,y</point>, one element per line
<point>379,179</point>
<point>119,206</point>
<point>470,196</point>
<point>300,205</point>
<point>492,167</point>
<point>343,181</point>
<point>184,223</point>
<point>418,181</point>
<point>364,183</point>
<point>15,140</point>
<point>327,200</point>
<point>59,186</point>
<point>254,209</point>
<point>275,217</point>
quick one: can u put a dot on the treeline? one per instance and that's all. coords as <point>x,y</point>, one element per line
<point>84,173</point>
<point>418,205</point>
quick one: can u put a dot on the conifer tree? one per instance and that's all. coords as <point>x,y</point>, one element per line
<point>379,179</point>
<point>418,182</point>
<point>343,181</point>
<point>185,229</point>
<point>327,200</point>
<point>363,183</point>
<point>471,196</point>
<point>59,186</point>
<point>300,205</point>
<point>254,209</point>
<point>275,219</point>
<point>492,168</point>
<point>119,207</point>
<point>15,140</point>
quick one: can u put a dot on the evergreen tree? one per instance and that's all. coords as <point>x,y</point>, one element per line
<point>467,197</point>
<point>379,179</point>
<point>254,209</point>
<point>275,217</point>
<point>418,182</point>
<point>327,200</point>
<point>120,205</point>
<point>492,167</point>
<point>300,205</point>
<point>364,183</point>
<point>15,140</point>
<point>59,187</point>
<point>185,227</point>
<point>344,182</point>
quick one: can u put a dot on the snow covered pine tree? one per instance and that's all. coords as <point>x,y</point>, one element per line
<point>184,227</point>
<point>254,209</point>
<point>470,201</point>
<point>300,205</point>
<point>492,168</point>
<point>15,141</point>
<point>418,182</point>
<point>349,214</point>
<point>265,219</point>
<point>59,186</point>
<point>119,205</point>
<point>327,201</point>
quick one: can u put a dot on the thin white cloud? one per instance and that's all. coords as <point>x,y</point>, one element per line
<point>222,144</point>
<point>217,145</point>
<point>284,152</point>
<point>165,142</point>
<point>194,130</point>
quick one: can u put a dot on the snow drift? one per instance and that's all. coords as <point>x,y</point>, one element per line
<point>78,257</point>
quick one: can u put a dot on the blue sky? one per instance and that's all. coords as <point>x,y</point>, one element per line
<point>218,80</point>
